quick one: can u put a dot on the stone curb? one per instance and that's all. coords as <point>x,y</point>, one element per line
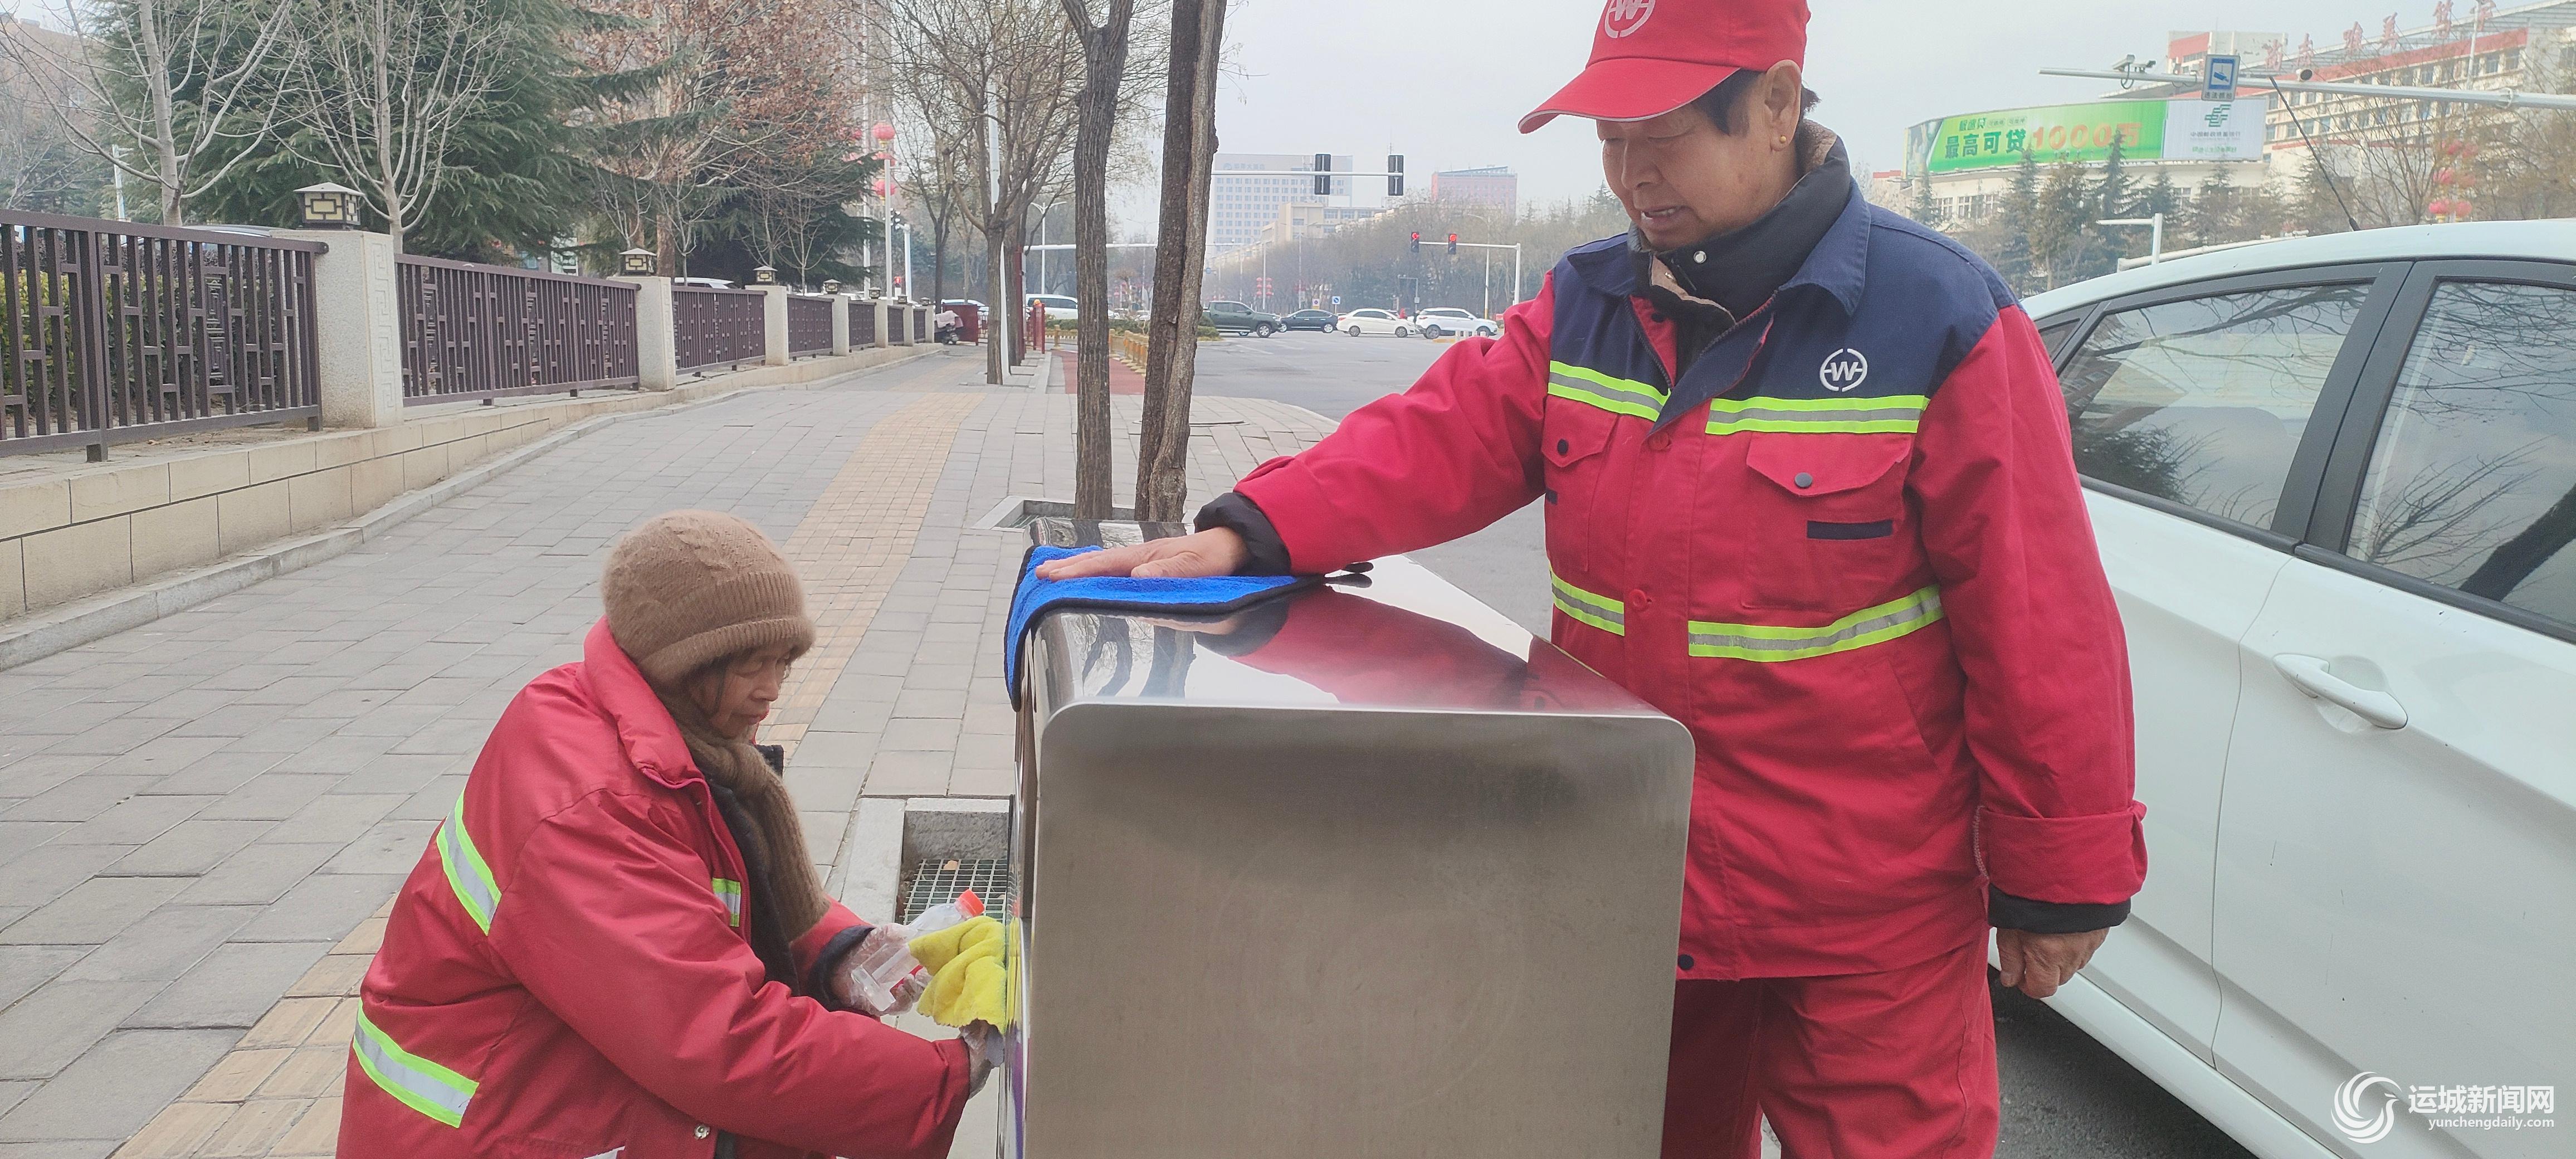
<point>98,617</point>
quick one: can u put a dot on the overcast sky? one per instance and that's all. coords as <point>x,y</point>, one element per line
<point>1443,81</point>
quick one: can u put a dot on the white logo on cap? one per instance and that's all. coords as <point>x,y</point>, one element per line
<point>1625,17</point>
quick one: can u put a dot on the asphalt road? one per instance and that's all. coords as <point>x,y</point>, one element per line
<point>2065,1095</point>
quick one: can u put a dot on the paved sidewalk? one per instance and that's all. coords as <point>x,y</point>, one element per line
<point>201,818</point>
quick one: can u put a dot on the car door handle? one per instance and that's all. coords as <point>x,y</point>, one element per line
<point>2311,676</point>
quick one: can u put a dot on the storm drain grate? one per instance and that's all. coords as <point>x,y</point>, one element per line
<point>936,881</point>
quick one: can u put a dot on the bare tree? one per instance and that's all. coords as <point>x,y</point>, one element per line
<point>1172,347</point>
<point>991,74</point>
<point>382,84</point>
<point>40,168</point>
<point>186,82</point>
<point>729,83</point>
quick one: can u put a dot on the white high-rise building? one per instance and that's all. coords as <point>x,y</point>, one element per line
<point>1240,206</point>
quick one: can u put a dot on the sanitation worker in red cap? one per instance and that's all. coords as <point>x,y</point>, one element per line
<point>1808,489</point>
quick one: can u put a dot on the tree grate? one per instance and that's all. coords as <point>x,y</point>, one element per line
<point>940,880</point>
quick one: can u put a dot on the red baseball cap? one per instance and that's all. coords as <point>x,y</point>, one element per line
<point>1650,57</point>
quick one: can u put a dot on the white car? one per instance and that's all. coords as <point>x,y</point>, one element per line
<point>1442,321</point>
<point>2334,484</point>
<point>1374,321</point>
<point>1059,308</point>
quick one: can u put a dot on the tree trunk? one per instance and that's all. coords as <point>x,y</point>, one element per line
<point>1104,51</point>
<point>1162,463</point>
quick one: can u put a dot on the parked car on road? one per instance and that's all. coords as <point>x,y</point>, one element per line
<point>1442,321</point>
<point>2334,483</point>
<point>1059,308</point>
<point>1308,320</point>
<point>1375,321</point>
<point>1237,318</point>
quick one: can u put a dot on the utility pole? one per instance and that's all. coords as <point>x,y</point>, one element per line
<point>2155,224</point>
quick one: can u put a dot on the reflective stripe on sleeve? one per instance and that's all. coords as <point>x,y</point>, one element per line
<point>730,893</point>
<point>1895,414</point>
<point>1583,607</point>
<point>1769,644</point>
<point>422,1085</point>
<point>466,872</point>
<point>1593,388</point>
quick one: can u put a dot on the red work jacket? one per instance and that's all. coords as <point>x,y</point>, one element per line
<point>566,972</point>
<point>1860,570</point>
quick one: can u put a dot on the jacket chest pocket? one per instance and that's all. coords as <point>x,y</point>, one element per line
<point>1826,516</point>
<point>1574,444</point>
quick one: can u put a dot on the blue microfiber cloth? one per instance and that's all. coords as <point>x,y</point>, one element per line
<point>1208,595</point>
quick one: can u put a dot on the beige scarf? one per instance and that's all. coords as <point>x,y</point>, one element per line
<point>796,891</point>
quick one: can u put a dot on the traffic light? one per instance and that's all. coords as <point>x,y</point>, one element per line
<point>1453,245</point>
<point>1417,241</point>
<point>1323,174</point>
<point>1395,174</point>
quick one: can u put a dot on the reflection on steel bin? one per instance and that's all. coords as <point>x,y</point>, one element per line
<point>1366,871</point>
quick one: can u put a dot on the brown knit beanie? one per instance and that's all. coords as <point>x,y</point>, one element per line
<point>692,587</point>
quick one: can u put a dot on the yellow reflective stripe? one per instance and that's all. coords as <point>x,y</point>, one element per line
<point>1767,643</point>
<point>420,1084</point>
<point>1894,414</point>
<point>466,872</point>
<point>1593,388</point>
<point>1601,612</point>
<point>730,893</point>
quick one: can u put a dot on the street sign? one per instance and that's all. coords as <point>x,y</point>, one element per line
<point>2218,78</point>
<point>1337,299</point>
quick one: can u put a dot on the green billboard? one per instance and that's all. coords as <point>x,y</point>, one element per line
<point>2082,132</point>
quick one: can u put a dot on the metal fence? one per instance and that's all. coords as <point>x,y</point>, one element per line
<point>921,323</point>
<point>713,327</point>
<point>809,324</point>
<point>474,331</point>
<point>112,332</point>
<point>898,324</point>
<point>863,325</point>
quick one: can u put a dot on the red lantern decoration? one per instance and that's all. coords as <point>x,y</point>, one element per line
<point>884,131</point>
<point>2442,176</point>
<point>881,186</point>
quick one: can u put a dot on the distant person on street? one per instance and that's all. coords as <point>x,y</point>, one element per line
<point>1808,489</point>
<point>617,942</point>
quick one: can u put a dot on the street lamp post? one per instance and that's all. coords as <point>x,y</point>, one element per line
<point>2155,224</point>
<point>884,134</point>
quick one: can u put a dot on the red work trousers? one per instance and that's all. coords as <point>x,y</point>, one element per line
<point>1898,1064</point>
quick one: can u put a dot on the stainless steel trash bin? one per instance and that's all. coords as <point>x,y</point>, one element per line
<point>1366,872</point>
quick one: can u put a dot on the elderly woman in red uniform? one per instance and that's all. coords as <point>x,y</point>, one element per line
<point>616,943</point>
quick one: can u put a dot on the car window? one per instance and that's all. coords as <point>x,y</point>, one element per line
<point>2472,484</point>
<point>2203,401</point>
<point>2052,337</point>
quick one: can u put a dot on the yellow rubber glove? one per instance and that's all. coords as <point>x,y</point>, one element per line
<point>966,975</point>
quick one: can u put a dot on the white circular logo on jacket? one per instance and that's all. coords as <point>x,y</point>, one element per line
<point>2350,1117</point>
<point>1625,17</point>
<point>1844,370</point>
